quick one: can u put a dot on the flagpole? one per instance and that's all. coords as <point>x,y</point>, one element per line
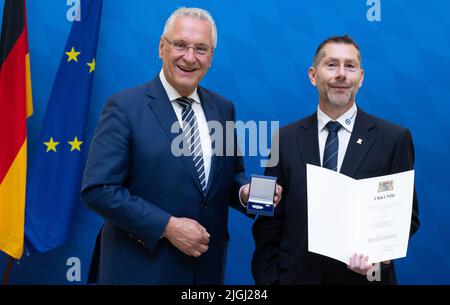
<point>7,271</point>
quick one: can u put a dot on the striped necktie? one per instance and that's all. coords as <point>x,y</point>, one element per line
<point>330,154</point>
<point>192,137</point>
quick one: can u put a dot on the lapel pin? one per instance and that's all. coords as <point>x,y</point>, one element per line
<point>359,141</point>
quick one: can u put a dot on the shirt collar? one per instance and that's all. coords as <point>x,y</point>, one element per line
<point>172,93</point>
<point>347,120</point>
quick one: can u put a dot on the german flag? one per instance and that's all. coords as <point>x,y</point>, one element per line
<point>15,107</point>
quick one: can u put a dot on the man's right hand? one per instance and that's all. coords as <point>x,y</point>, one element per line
<point>187,235</point>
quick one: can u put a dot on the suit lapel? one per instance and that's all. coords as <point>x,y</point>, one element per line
<point>308,140</point>
<point>162,108</point>
<point>211,114</point>
<point>362,138</point>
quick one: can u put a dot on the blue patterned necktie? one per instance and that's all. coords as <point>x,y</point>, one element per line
<point>330,155</point>
<point>192,136</point>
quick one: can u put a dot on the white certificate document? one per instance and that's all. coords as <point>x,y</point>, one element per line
<point>368,216</point>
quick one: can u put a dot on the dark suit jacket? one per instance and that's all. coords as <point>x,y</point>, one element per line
<point>281,254</point>
<point>135,183</point>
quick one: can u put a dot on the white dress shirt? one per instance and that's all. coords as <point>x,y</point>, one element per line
<point>203,128</point>
<point>347,120</point>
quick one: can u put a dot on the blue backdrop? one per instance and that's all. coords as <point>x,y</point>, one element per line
<point>264,51</point>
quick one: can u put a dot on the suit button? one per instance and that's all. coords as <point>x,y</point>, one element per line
<point>205,204</point>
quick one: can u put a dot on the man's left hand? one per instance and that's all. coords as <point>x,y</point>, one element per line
<point>278,193</point>
<point>358,264</point>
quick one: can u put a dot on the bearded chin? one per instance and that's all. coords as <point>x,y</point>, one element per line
<point>340,99</point>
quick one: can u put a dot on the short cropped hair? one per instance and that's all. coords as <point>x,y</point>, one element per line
<point>196,13</point>
<point>334,39</point>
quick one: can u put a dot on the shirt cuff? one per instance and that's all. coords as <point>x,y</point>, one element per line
<point>240,200</point>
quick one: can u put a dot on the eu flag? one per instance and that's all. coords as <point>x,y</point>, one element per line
<point>55,172</point>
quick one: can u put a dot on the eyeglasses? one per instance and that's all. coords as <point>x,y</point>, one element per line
<point>182,46</point>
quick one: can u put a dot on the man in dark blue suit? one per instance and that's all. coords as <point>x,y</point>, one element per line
<point>165,210</point>
<point>341,137</point>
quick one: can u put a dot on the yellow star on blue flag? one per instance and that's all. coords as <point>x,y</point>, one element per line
<point>91,65</point>
<point>72,55</point>
<point>51,145</point>
<point>75,144</point>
